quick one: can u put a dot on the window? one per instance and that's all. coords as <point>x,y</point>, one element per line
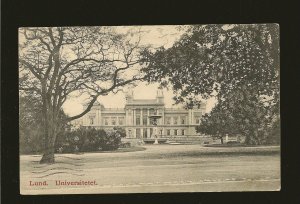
<point>152,111</point>
<point>137,116</point>
<point>168,132</point>
<point>105,121</point>
<point>197,120</point>
<point>182,120</point>
<point>159,112</point>
<point>144,119</point>
<point>91,120</point>
<point>113,121</point>
<point>145,133</point>
<point>145,116</point>
<point>182,132</point>
<point>138,133</point>
<point>137,120</point>
<point>175,132</point>
<point>121,121</point>
<point>168,120</point>
<point>175,120</point>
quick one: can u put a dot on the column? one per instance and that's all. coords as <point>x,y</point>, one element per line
<point>96,117</point>
<point>148,119</point>
<point>134,133</point>
<point>100,117</point>
<point>163,116</point>
<point>133,116</point>
<point>141,117</point>
<point>142,133</point>
<point>148,133</point>
<point>126,117</point>
<point>190,117</point>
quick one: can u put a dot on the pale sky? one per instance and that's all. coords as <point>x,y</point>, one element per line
<point>155,36</point>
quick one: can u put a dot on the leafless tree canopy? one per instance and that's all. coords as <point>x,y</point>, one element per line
<point>57,62</point>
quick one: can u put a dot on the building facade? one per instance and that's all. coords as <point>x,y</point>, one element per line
<point>134,118</point>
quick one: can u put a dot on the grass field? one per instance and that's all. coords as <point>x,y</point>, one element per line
<point>159,168</point>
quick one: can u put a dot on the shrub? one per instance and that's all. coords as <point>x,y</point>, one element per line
<point>89,139</point>
<point>93,139</point>
<point>111,140</point>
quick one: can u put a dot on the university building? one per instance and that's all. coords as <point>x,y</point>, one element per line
<point>134,118</point>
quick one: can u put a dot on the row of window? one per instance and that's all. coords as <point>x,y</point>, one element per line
<point>180,120</point>
<point>109,121</point>
<point>139,132</point>
<point>120,120</point>
<point>114,121</point>
<point>144,111</point>
<point>176,120</point>
<point>176,132</point>
<point>138,120</point>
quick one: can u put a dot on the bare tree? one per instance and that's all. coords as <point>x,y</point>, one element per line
<point>55,63</point>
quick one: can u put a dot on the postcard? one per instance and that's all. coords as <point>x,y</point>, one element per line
<point>149,109</point>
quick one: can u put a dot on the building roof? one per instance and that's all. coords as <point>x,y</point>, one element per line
<point>144,102</point>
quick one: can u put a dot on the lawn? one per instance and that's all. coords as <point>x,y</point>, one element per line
<point>160,168</point>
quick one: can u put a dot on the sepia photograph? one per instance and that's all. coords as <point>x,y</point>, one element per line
<point>149,109</point>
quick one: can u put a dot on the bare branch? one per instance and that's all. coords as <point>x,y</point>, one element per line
<point>32,68</point>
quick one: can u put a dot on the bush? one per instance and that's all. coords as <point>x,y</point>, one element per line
<point>89,139</point>
<point>70,141</point>
<point>111,140</point>
<point>93,140</point>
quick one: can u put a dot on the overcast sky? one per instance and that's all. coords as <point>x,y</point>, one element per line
<point>155,36</point>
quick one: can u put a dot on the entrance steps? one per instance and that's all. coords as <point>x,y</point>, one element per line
<point>189,140</point>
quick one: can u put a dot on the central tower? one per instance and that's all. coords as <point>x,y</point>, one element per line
<point>160,96</point>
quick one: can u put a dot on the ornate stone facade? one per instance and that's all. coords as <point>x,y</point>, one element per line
<point>134,117</point>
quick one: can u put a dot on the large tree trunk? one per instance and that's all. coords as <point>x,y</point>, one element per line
<point>51,127</point>
<point>48,156</point>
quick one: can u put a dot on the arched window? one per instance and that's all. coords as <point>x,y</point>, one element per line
<point>182,121</point>
<point>91,120</point>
